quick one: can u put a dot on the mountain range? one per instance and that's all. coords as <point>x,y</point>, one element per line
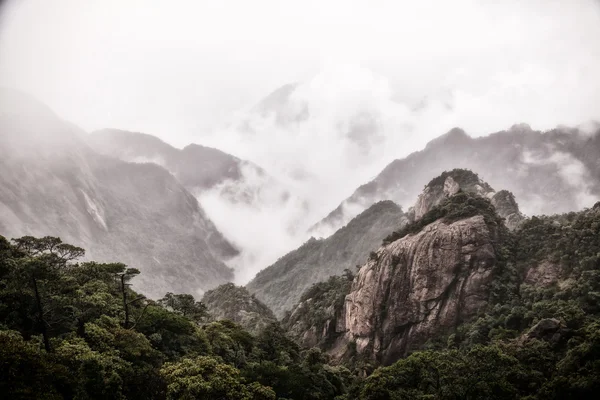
<point>460,286</point>
<point>134,197</point>
<point>54,183</point>
<point>548,172</point>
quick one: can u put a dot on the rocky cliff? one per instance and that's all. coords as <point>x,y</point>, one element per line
<point>451,182</point>
<point>419,286</point>
<point>429,277</point>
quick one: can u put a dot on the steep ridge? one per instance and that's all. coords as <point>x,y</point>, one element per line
<point>197,167</point>
<point>549,172</point>
<point>236,304</point>
<point>53,183</point>
<point>280,285</point>
<point>420,286</point>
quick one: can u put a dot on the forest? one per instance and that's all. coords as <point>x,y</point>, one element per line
<point>72,329</point>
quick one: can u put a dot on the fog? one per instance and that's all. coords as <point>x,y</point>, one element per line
<point>373,81</point>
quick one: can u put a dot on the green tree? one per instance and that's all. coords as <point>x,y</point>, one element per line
<point>205,378</point>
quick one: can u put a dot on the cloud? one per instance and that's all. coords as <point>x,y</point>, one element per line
<point>572,171</point>
<point>259,216</point>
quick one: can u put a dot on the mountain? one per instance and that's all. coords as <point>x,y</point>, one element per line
<point>53,183</point>
<point>457,276</point>
<point>549,172</point>
<point>280,285</point>
<point>415,285</point>
<point>197,167</point>
<point>236,304</point>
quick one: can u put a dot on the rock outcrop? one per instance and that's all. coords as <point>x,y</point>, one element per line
<point>318,318</point>
<point>507,207</point>
<point>419,286</point>
<point>448,184</point>
<point>548,329</point>
<point>451,182</point>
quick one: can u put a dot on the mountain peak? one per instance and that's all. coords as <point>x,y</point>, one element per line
<point>455,136</point>
<point>447,184</point>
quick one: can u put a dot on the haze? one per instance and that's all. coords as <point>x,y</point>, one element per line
<point>193,71</point>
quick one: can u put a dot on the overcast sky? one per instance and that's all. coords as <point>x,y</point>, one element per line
<point>179,69</point>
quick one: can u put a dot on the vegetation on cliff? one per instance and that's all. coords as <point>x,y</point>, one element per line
<point>459,206</point>
<point>539,336</point>
<point>235,303</point>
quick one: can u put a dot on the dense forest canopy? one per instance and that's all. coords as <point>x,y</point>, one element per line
<point>77,330</point>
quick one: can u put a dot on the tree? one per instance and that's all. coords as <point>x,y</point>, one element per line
<point>186,305</point>
<point>125,275</point>
<point>205,378</point>
<point>42,262</point>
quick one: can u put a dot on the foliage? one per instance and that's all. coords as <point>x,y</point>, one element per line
<point>319,307</point>
<point>73,330</point>
<point>235,303</point>
<point>461,205</point>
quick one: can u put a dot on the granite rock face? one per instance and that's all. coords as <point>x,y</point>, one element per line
<point>446,185</point>
<point>506,206</point>
<point>416,287</point>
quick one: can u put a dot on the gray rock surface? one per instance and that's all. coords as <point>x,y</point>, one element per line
<point>418,286</point>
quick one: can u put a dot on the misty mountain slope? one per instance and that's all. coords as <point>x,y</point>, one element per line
<point>228,188</point>
<point>196,167</point>
<point>551,172</point>
<point>280,285</point>
<point>52,183</point>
